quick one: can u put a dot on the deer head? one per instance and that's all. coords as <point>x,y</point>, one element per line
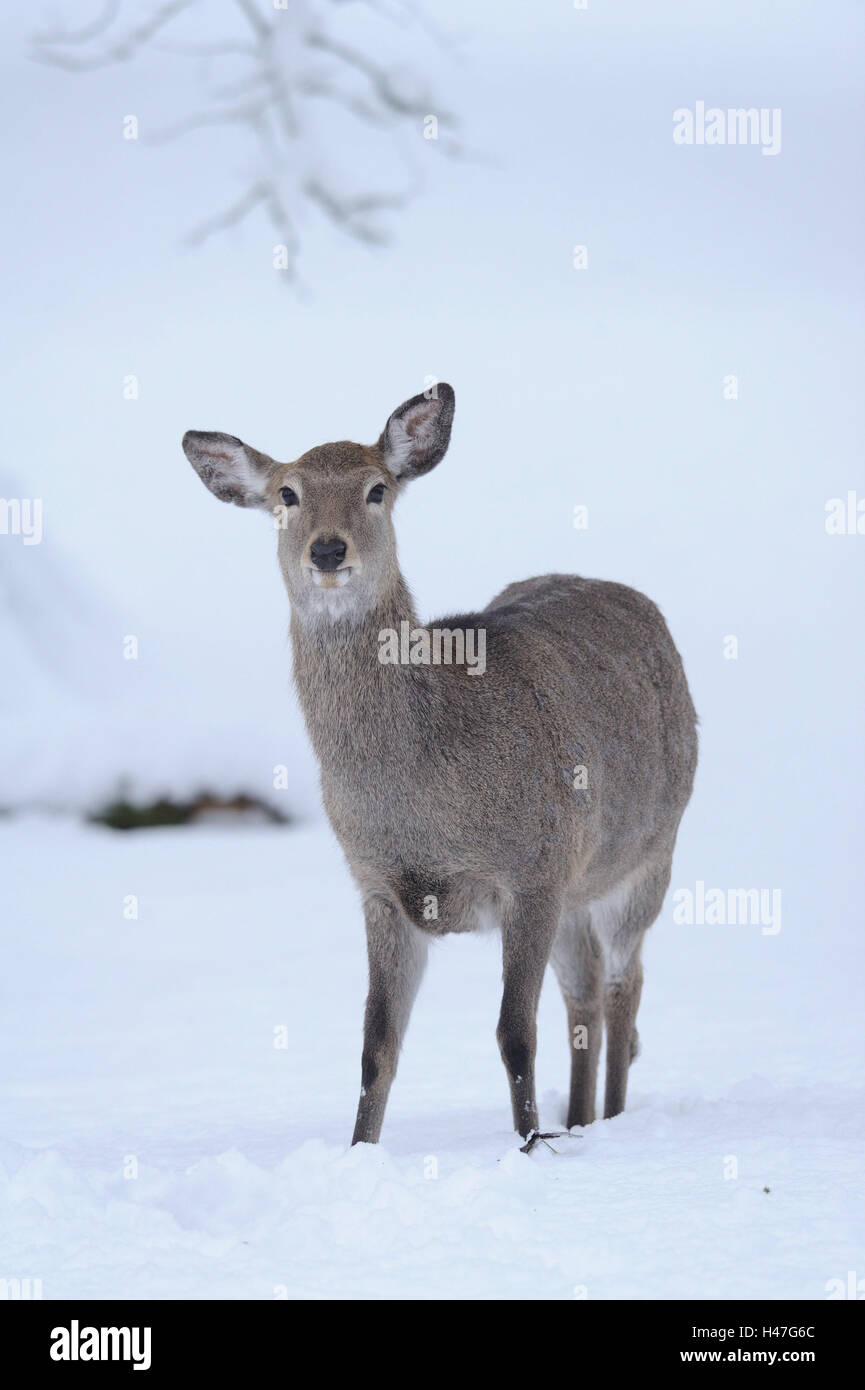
<point>333,505</point>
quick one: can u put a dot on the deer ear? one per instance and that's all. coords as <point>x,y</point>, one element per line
<point>417,435</point>
<point>233,472</point>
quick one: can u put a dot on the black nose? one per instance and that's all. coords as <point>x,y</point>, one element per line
<point>327,555</point>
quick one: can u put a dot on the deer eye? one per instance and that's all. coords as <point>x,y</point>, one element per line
<point>376,494</point>
<point>289,496</point>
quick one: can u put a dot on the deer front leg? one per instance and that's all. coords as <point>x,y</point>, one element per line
<point>527,936</point>
<point>397,957</point>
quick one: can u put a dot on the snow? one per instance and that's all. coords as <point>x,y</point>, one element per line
<point>95,703</point>
<point>153,1040</point>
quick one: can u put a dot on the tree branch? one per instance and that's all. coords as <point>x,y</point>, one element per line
<point>229,217</point>
<point>119,52</point>
<point>269,100</point>
<point>379,79</point>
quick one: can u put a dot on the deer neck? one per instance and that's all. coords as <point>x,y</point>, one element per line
<point>354,705</point>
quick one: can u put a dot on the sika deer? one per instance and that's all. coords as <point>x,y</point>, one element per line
<point>543,792</point>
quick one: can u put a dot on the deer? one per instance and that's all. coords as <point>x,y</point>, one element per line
<point>539,796</point>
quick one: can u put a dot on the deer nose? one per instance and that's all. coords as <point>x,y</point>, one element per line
<point>327,555</point>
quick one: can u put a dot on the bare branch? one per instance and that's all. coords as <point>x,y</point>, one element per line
<point>255,82</point>
<point>346,211</point>
<point>379,78</point>
<point>122,50</point>
<point>206,50</point>
<point>239,114</point>
<point>234,213</point>
<point>405,12</point>
<point>260,27</point>
<point>269,99</point>
<point>89,31</point>
<point>318,87</point>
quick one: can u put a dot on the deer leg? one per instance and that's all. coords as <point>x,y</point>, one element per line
<point>621,1002</point>
<point>528,929</point>
<point>576,959</point>
<point>397,956</point>
<point>620,921</point>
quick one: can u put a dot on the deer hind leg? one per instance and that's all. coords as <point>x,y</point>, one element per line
<point>620,921</point>
<point>397,958</point>
<point>528,928</point>
<point>577,961</point>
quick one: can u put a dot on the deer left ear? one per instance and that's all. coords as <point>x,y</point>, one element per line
<point>231,469</point>
<point>417,435</point>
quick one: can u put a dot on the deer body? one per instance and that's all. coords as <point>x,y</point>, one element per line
<point>542,796</point>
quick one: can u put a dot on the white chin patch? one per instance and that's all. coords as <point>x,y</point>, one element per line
<point>331,579</point>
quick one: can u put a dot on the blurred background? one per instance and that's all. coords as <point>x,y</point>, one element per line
<point>281,222</point>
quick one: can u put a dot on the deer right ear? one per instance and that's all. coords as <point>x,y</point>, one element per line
<point>417,435</point>
<point>233,472</point>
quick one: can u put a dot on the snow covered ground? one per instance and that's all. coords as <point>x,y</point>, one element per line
<point>159,1140</point>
